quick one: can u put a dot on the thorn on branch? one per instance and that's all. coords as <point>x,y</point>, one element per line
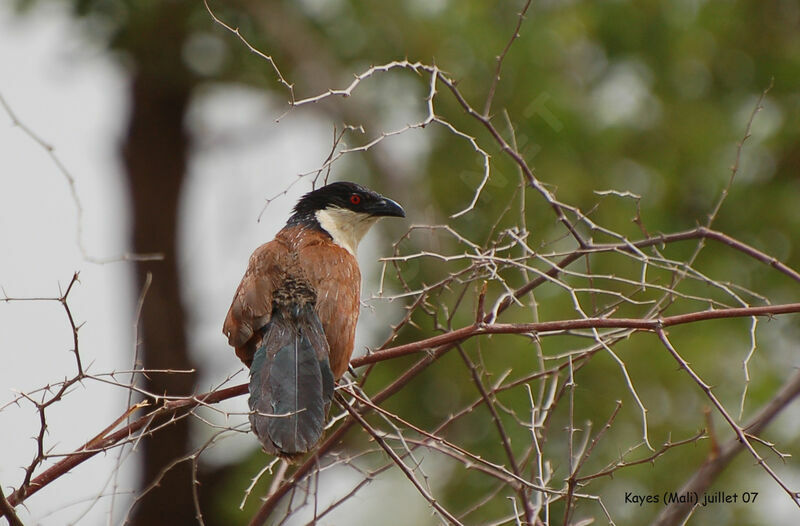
<point>479,314</point>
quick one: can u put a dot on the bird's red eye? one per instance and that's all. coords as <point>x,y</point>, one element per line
<point>355,199</point>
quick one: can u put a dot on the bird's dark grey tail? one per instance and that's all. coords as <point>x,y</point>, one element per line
<point>291,383</point>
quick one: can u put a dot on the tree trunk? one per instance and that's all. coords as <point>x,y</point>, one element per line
<point>155,155</point>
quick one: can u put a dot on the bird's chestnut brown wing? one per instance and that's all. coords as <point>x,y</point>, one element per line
<point>252,303</point>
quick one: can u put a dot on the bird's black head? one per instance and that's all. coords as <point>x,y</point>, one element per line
<point>347,196</point>
<point>344,211</point>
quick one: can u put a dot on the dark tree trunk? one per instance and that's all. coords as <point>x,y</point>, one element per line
<point>155,155</point>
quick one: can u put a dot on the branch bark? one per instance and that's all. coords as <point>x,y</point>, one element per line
<point>439,344</point>
<point>676,513</point>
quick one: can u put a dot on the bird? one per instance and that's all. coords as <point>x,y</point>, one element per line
<point>293,317</point>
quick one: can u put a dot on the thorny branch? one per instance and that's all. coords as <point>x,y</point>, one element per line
<point>50,150</point>
<point>167,408</point>
<point>702,479</point>
<point>487,107</point>
<point>399,462</point>
<point>794,495</point>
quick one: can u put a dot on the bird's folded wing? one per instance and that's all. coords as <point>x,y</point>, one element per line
<point>251,307</point>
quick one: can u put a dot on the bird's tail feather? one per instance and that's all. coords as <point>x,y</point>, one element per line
<point>291,382</point>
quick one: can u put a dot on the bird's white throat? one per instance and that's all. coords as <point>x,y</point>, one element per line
<point>346,227</point>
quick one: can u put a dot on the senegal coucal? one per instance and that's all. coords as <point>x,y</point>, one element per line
<point>293,317</point>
